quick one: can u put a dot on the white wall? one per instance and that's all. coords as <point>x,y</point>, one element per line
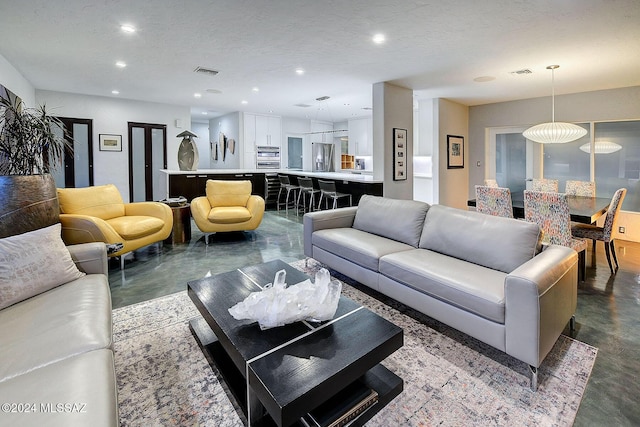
<point>452,184</point>
<point>203,143</point>
<point>16,83</point>
<point>111,116</point>
<point>229,125</point>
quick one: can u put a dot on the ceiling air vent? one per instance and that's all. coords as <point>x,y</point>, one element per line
<point>207,71</point>
<point>322,98</point>
<point>520,72</point>
<point>302,105</point>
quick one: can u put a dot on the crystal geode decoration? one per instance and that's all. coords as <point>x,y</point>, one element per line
<point>278,304</point>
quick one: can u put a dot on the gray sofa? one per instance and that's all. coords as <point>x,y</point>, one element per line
<point>56,361</point>
<point>486,276</point>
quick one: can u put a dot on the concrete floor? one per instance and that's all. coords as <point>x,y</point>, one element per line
<point>608,314</point>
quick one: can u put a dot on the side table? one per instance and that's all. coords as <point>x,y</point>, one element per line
<point>181,232</point>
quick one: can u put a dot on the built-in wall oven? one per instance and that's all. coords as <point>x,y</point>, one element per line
<point>267,157</point>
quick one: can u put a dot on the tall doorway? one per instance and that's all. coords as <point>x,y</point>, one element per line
<point>294,152</point>
<point>147,155</point>
<point>77,165</point>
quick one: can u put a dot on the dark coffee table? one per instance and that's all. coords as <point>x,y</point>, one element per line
<point>284,373</point>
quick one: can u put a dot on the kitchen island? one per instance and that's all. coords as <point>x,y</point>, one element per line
<point>191,184</point>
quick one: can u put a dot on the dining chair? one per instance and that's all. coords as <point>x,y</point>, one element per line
<point>290,189</point>
<point>605,233</point>
<point>494,201</point>
<point>546,185</point>
<point>551,212</point>
<point>580,188</point>
<point>306,189</point>
<point>328,191</point>
<point>491,183</point>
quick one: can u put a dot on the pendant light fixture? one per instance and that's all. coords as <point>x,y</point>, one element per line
<point>601,147</point>
<point>554,132</point>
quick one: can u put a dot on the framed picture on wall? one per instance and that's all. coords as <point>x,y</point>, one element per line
<point>399,154</point>
<point>110,142</point>
<point>455,152</point>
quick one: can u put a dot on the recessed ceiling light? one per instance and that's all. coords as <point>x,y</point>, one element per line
<point>204,113</point>
<point>115,92</point>
<point>244,102</point>
<point>121,64</point>
<point>483,79</point>
<point>197,95</point>
<point>255,89</point>
<point>299,71</point>
<point>126,28</point>
<point>379,38</point>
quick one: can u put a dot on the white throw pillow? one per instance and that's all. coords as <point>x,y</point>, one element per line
<point>32,263</point>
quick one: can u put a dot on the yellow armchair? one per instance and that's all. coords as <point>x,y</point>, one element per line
<point>228,206</point>
<point>98,214</point>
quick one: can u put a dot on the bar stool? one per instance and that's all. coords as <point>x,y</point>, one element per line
<point>286,185</point>
<point>328,191</point>
<point>306,189</point>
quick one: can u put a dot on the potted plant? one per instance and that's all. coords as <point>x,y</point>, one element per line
<point>29,150</point>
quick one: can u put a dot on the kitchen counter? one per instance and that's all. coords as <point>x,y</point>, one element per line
<point>344,176</point>
<point>192,184</point>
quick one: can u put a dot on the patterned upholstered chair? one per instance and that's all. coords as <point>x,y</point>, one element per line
<point>494,201</point>
<point>580,188</point>
<point>546,185</point>
<point>605,233</point>
<point>551,212</point>
<point>491,183</point>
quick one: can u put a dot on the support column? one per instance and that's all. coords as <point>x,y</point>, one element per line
<point>392,108</point>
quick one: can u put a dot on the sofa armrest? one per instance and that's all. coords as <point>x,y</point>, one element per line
<point>90,258</point>
<point>540,298</point>
<point>335,218</point>
<point>155,209</point>
<point>85,229</point>
<point>255,205</point>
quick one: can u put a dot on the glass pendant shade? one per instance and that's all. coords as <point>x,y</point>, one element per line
<point>554,132</point>
<point>602,147</point>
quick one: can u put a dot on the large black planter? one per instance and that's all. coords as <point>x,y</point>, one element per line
<point>27,203</point>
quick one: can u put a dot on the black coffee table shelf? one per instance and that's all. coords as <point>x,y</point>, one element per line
<point>291,370</point>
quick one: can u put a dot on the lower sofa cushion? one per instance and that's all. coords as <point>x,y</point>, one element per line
<point>85,386</point>
<point>400,220</point>
<point>359,247</point>
<point>134,226</point>
<point>229,215</point>
<point>32,263</point>
<point>494,242</point>
<point>469,286</point>
<point>66,321</point>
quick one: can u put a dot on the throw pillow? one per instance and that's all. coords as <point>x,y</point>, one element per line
<point>32,263</point>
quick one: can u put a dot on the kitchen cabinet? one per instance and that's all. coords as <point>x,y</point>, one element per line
<point>360,137</point>
<point>261,130</point>
<point>193,185</point>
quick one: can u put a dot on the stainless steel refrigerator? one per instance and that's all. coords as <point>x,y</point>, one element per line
<point>323,157</point>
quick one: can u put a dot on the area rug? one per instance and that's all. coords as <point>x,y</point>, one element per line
<point>450,378</point>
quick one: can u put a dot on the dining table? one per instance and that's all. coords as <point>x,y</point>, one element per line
<point>582,209</point>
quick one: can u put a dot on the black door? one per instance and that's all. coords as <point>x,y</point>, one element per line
<point>77,166</point>
<point>147,155</point>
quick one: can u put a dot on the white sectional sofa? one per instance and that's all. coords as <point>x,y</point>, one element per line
<point>56,361</point>
<point>486,276</point>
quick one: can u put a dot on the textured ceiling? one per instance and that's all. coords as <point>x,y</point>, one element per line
<point>437,48</point>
